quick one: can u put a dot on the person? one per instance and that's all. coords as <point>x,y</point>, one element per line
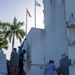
<point>21,59</point>
<point>8,67</point>
<point>50,67</point>
<point>19,50</point>
<point>14,62</point>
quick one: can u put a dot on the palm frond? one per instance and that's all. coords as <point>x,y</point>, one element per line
<point>13,29</point>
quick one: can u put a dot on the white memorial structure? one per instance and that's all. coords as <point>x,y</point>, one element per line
<point>56,41</point>
<point>3,65</point>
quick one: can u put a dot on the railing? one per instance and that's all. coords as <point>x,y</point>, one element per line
<point>71,22</point>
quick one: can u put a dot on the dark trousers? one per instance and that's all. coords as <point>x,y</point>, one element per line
<point>20,70</point>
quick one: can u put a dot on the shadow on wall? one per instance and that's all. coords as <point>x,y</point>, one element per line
<point>64,65</point>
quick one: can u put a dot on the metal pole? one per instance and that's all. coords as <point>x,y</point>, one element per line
<point>26,20</point>
<point>35,13</point>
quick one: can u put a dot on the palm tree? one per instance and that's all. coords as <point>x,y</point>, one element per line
<point>14,30</point>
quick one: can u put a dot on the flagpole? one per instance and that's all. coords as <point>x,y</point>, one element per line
<point>26,20</point>
<point>35,13</point>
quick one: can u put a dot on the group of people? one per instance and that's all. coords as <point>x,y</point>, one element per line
<point>15,65</point>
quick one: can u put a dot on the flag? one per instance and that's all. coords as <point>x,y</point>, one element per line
<point>28,13</point>
<point>37,4</point>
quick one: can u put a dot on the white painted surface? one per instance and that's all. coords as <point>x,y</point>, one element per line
<point>72,70</point>
<point>35,52</point>
<point>55,27</point>
<point>73,61</point>
<point>55,42</point>
<point>36,46</point>
<point>71,52</point>
<point>37,70</point>
<point>3,66</point>
<point>70,9</point>
<point>71,32</point>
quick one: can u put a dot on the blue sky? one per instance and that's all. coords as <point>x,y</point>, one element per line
<point>17,8</point>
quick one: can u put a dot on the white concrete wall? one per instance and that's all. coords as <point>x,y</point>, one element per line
<point>72,70</point>
<point>71,52</point>
<point>3,65</point>
<point>55,30</point>
<point>70,9</point>
<point>36,41</point>
<point>57,35</point>
<point>71,33</point>
<point>52,42</point>
<point>35,52</point>
<point>37,70</point>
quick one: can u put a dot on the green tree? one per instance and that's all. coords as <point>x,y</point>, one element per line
<point>14,30</point>
<point>3,41</point>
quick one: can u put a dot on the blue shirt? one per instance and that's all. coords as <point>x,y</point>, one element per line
<point>49,69</point>
<point>20,51</point>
